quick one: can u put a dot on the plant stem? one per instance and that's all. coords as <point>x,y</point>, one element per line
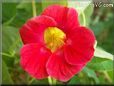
<point>84,18</point>
<point>9,21</point>
<point>50,81</point>
<point>32,79</point>
<point>34,8</point>
<point>54,81</point>
<point>6,54</point>
<point>107,76</point>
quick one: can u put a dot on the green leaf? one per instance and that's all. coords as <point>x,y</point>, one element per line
<point>10,39</point>
<point>46,3</point>
<point>28,7</point>
<point>87,12</point>
<point>111,75</point>
<point>25,12</point>
<point>8,11</point>
<point>8,60</point>
<point>80,6</point>
<point>100,64</point>
<point>100,53</point>
<point>84,10</point>
<point>40,82</point>
<point>75,80</point>
<point>91,73</point>
<point>6,78</point>
<point>11,44</point>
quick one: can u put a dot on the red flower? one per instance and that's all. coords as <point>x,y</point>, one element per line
<point>55,44</point>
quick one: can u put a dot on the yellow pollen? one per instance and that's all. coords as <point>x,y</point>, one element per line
<point>54,38</point>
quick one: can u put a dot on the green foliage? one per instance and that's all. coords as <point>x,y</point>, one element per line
<point>46,3</point>
<point>100,65</point>
<point>74,81</point>
<point>91,73</point>
<point>103,54</point>
<point>6,79</point>
<point>103,27</point>
<point>84,11</point>
<point>40,82</point>
<point>10,38</point>
<point>8,11</point>
<point>98,71</point>
<point>87,14</point>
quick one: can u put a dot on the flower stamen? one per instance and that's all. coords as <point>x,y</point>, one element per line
<point>54,38</point>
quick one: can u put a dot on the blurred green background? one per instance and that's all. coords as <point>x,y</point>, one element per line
<point>99,19</point>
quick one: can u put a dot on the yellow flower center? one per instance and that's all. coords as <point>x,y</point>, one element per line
<point>54,38</point>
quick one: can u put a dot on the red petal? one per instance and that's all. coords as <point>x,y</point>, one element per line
<point>72,19</point>
<point>32,31</point>
<point>58,68</point>
<point>80,46</point>
<point>33,60</point>
<point>67,18</point>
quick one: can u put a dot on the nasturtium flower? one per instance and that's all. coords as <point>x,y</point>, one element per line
<point>55,44</point>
